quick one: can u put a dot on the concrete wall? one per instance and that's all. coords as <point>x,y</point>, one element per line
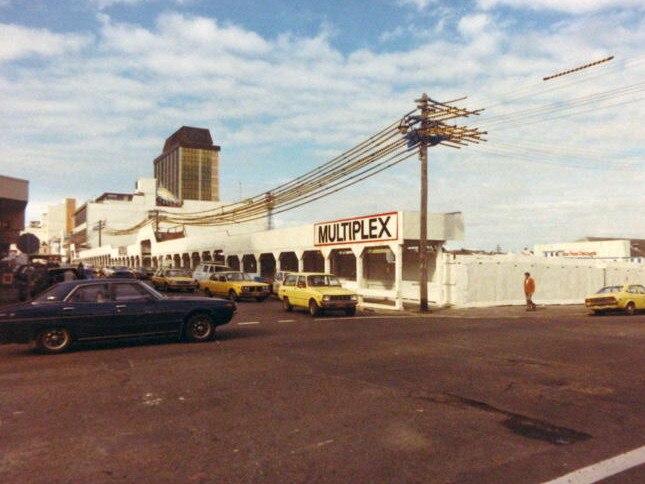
<point>474,281</point>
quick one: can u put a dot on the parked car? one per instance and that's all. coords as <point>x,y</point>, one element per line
<point>115,309</point>
<point>316,292</point>
<point>278,280</point>
<point>234,285</point>
<point>122,273</point>
<point>204,271</point>
<point>143,272</point>
<point>627,297</point>
<point>174,280</point>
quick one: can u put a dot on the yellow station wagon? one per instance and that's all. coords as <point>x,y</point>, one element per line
<point>234,285</point>
<point>628,297</point>
<point>316,292</point>
<point>174,280</point>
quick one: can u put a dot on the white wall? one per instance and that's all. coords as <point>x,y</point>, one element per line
<point>498,280</point>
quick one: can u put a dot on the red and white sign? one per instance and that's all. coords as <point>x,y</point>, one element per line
<point>371,228</point>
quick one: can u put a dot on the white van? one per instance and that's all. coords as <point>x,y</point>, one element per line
<point>205,271</point>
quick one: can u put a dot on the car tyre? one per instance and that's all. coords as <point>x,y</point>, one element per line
<point>53,340</point>
<point>232,295</point>
<point>208,293</point>
<point>286,305</point>
<point>630,309</point>
<point>199,327</point>
<point>314,309</point>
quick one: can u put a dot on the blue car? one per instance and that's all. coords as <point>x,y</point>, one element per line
<point>109,309</point>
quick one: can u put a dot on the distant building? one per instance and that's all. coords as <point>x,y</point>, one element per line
<point>596,248</point>
<point>14,194</point>
<point>188,168</point>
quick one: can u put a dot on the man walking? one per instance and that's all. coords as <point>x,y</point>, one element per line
<point>529,289</point>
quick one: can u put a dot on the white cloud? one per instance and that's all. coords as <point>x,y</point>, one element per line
<point>99,112</point>
<point>18,42</point>
<point>419,4</point>
<point>472,25</point>
<point>569,6</point>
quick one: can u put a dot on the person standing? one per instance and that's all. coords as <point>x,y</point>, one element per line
<point>529,289</point>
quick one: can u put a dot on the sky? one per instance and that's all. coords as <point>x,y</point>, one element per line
<point>90,90</point>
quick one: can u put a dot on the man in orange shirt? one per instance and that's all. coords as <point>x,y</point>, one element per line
<point>529,289</point>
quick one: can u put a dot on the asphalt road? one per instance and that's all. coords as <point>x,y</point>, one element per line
<point>282,397</point>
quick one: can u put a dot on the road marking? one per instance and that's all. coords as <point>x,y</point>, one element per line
<point>286,320</point>
<point>604,469</point>
<point>247,323</point>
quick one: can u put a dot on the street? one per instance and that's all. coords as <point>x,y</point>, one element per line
<point>283,397</point>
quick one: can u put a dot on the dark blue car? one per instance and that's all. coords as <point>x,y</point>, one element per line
<point>109,309</point>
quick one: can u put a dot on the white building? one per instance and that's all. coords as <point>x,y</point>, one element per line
<point>596,248</point>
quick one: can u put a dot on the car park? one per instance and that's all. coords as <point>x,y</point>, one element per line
<point>235,285</point>
<point>317,292</point>
<point>109,309</point>
<point>174,280</point>
<point>204,271</point>
<point>625,297</point>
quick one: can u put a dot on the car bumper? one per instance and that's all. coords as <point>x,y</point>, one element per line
<point>338,304</point>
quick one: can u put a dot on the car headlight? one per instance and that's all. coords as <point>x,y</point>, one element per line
<point>245,289</point>
<point>326,298</point>
<point>353,297</point>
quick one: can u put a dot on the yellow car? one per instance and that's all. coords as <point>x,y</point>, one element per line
<point>316,292</point>
<point>234,285</point>
<point>173,280</point>
<point>628,297</point>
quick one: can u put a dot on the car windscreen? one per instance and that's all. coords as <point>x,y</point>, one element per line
<point>237,276</point>
<point>178,273</point>
<point>53,294</point>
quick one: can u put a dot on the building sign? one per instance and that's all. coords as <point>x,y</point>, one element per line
<point>570,253</point>
<point>372,228</point>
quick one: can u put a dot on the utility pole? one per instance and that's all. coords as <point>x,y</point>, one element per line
<point>100,226</point>
<point>422,104</point>
<point>424,127</point>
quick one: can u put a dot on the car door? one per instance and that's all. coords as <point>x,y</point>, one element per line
<point>89,311</point>
<point>638,293</point>
<point>137,311</point>
<point>300,292</point>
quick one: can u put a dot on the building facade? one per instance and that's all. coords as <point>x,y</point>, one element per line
<point>189,166</point>
<point>14,195</point>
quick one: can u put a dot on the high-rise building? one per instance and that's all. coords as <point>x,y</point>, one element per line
<point>189,165</point>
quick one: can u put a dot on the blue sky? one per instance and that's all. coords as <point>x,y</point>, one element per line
<point>91,89</point>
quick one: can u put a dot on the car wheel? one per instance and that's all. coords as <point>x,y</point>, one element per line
<point>350,311</point>
<point>630,309</point>
<point>199,328</point>
<point>286,305</point>
<point>314,309</point>
<point>232,295</point>
<point>208,293</point>
<point>53,340</point>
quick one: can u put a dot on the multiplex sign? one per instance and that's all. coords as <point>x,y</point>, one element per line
<point>372,228</point>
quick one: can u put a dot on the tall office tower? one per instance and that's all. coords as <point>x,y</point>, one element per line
<point>189,165</point>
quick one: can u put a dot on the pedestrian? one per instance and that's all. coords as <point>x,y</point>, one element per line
<point>529,289</point>
<point>80,271</point>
